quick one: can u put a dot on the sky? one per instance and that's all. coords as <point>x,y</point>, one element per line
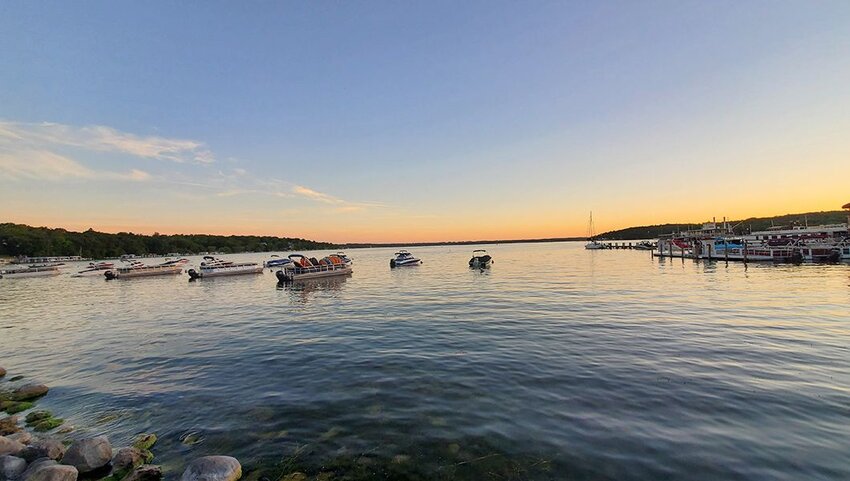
<point>378,121</point>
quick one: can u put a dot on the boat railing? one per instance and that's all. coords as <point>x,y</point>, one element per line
<point>298,269</point>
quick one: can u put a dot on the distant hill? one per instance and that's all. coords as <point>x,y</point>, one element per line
<point>740,226</point>
<point>24,240</point>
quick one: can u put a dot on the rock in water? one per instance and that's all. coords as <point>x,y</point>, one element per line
<point>146,472</point>
<point>47,448</point>
<point>213,468</point>
<point>29,391</point>
<point>89,454</point>
<point>2,372</point>
<point>127,459</point>
<point>9,425</point>
<point>11,467</point>
<point>8,446</point>
<point>144,441</point>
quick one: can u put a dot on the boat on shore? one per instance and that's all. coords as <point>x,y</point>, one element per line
<point>480,259</point>
<point>94,269</point>
<point>303,267</point>
<point>213,267</point>
<point>139,269</point>
<point>35,270</point>
<point>403,258</point>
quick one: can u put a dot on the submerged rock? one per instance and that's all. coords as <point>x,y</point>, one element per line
<point>48,424</point>
<point>37,416</point>
<point>145,472</point>
<point>29,392</point>
<point>296,476</point>
<point>14,407</point>
<point>11,467</point>
<point>128,458</point>
<point>144,441</point>
<point>213,468</point>
<point>2,371</point>
<point>89,454</point>
<point>9,446</point>
<point>46,448</point>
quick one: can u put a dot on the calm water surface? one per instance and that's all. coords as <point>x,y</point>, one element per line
<point>557,363</point>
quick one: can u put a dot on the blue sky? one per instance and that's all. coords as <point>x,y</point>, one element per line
<point>429,121</point>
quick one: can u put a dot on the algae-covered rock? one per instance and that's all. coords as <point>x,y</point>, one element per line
<point>213,468</point>
<point>145,472</point>
<point>128,458</point>
<point>10,447</point>
<point>48,424</point>
<point>89,454</point>
<point>36,416</point>
<point>16,378</point>
<point>46,448</point>
<point>296,476</point>
<point>14,407</point>
<point>11,467</point>
<point>29,392</point>
<point>144,441</point>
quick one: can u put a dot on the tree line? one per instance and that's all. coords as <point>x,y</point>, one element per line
<point>23,240</point>
<point>740,226</point>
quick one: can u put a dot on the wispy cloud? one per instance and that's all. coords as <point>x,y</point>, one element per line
<point>48,166</point>
<point>100,138</point>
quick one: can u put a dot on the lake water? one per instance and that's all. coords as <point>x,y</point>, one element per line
<point>557,363</point>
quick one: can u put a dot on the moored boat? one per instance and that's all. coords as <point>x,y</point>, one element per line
<point>212,267</point>
<point>303,267</point>
<point>593,244</point>
<point>139,269</point>
<point>36,270</point>
<point>403,258</point>
<point>276,261</point>
<point>94,269</point>
<point>480,259</point>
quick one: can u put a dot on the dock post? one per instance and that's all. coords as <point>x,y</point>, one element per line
<point>726,249</point>
<point>745,251</point>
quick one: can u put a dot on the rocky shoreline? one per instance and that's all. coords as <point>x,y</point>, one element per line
<point>34,447</point>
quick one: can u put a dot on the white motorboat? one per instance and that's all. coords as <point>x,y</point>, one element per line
<point>303,267</point>
<point>593,244</point>
<point>212,267</point>
<point>139,269</point>
<point>480,259</point>
<point>94,269</point>
<point>276,261</point>
<point>403,258</point>
<point>37,270</point>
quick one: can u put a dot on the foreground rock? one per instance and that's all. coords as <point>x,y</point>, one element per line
<point>146,472</point>
<point>89,454</point>
<point>213,468</point>
<point>128,458</point>
<point>49,470</point>
<point>47,448</point>
<point>22,437</point>
<point>9,425</point>
<point>2,372</point>
<point>29,392</point>
<point>9,446</point>
<point>11,467</point>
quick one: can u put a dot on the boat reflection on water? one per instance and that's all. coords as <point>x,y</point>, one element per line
<point>304,290</point>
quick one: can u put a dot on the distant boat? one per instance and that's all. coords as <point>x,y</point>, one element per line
<point>593,244</point>
<point>303,267</point>
<point>139,269</point>
<point>480,259</point>
<point>36,270</point>
<point>94,269</point>
<point>645,246</point>
<point>403,258</point>
<point>212,267</point>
